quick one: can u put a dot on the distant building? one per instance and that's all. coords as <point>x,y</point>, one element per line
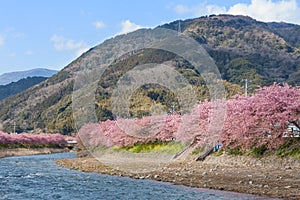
<point>292,131</point>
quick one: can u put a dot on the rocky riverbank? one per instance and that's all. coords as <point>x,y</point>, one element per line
<point>7,152</point>
<point>269,176</point>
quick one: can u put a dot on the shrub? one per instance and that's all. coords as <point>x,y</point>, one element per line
<point>158,147</point>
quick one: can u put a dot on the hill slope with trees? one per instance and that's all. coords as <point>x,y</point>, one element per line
<point>19,86</point>
<point>241,47</point>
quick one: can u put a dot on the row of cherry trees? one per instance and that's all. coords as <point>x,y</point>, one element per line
<point>245,122</point>
<point>126,132</point>
<point>33,140</point>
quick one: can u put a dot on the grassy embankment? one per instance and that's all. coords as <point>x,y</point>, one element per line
<point>291,148</point>
<point>157,147</point>
<point>171,147</point>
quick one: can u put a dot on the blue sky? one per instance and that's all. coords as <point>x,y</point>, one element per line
<point>52,33</point>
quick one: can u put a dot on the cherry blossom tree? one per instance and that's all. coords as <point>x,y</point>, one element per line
<point>262,118</point>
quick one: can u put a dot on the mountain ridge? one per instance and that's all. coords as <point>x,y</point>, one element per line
<point>10,77</point>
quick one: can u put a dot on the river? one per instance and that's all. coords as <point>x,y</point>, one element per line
<point>38,177</point>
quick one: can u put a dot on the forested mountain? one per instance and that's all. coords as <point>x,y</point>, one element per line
<point>245,48</point>
<point>241,47</point>
<point>19,86</point>
<point>16,76</point>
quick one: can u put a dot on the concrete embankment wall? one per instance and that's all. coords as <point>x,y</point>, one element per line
<point>6,152</point>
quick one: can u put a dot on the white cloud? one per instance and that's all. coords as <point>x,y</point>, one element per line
<point>12,54</point>
<point>85,13</point>
<point>269,10</point>
<point>199,10</point>
<point>181,9</point>
<point>128,26</point>
<point>29,52</point>
<point>81,51</point>
<point>1,40</point>
<point>99,24</point>
<point>63,44</point>
<point>263,10</point>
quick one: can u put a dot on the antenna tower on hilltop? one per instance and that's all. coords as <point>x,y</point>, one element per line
<point>179,27</point>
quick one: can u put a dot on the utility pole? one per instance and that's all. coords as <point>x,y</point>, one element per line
<point>246,86</point>
<point>173,108</point>
<point>14,127</point>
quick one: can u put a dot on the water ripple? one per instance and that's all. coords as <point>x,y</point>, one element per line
<point>38,177</point>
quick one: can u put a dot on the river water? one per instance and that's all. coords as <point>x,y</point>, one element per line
<point>38,177</point>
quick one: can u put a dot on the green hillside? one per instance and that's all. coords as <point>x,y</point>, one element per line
<point>241,47</point>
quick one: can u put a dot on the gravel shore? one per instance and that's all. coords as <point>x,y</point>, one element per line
<point>269,176</point>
